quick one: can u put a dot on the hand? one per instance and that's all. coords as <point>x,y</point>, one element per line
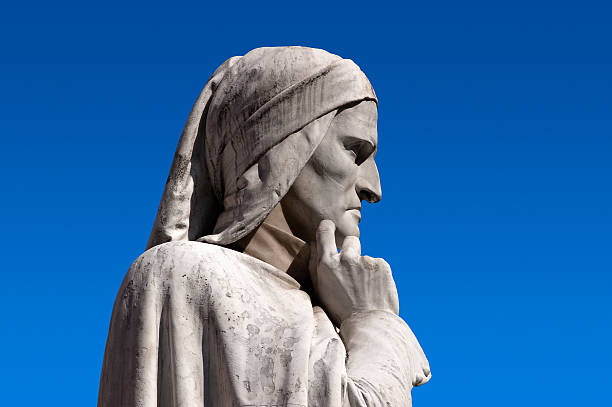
<point>348,282</point>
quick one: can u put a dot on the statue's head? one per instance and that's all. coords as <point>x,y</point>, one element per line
<point>288,126</point>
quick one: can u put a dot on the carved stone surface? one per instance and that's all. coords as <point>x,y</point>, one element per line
<point>242,298</point>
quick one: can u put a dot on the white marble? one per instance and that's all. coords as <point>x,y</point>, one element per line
<point>242,298</point>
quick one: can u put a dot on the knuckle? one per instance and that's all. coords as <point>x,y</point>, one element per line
<point>349,260</point>
<point>378,266</point>
<point>328,260</point>
<point>383,264</point>
<point>377,262</point>
<point>368,259</point>
<point>368,263</point>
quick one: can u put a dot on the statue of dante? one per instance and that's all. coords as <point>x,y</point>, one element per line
<point>242,298</point>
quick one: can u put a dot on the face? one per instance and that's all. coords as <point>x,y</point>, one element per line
<point>339,176</point>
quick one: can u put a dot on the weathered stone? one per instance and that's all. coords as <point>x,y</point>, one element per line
<point>242,298</point>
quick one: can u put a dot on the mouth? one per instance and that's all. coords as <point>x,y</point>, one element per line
<point>356,212</point>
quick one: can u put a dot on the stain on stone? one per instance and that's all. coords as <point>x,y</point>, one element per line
<point>247,385</point>
<point>290,341</point>
<point>267,374</point>
<point>253,329</point>
<point>285,358</point>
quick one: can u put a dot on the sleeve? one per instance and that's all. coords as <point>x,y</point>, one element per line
<point>384,360</point>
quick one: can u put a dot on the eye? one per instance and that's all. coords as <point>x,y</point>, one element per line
<point>359,149</point>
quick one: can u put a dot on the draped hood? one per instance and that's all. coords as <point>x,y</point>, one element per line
<point>253,128</point>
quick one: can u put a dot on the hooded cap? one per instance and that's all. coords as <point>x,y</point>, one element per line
<point>253,128</point>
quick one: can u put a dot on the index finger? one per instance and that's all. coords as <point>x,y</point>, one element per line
<point>351,247</point>
<point>326,239</point>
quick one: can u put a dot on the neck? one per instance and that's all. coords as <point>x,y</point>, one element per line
<point>274,243</point>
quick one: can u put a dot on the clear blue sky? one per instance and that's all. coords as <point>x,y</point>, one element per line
<point>495,156</point>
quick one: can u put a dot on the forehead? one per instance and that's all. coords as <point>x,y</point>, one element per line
<point>358,121</point>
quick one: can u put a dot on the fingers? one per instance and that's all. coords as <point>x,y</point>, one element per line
<point>422,377</point>
<point>351,247</point>
<point>326,239</point>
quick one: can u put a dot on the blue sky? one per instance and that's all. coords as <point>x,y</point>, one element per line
<point>495,131</point>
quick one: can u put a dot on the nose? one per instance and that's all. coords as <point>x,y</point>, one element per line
<point>368,182</point>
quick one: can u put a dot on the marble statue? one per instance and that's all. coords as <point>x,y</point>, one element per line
<point>253,290</point>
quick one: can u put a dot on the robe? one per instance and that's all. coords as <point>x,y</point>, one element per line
<point>196,324</point>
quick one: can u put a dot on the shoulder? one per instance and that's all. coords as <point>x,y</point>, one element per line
<point>202,261</point>
<point>179,269</point>
<point>184,251</point>
<point>184,256</point>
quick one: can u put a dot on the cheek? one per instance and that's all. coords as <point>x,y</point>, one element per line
<point>335,168</point>
<point>320,190</point>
